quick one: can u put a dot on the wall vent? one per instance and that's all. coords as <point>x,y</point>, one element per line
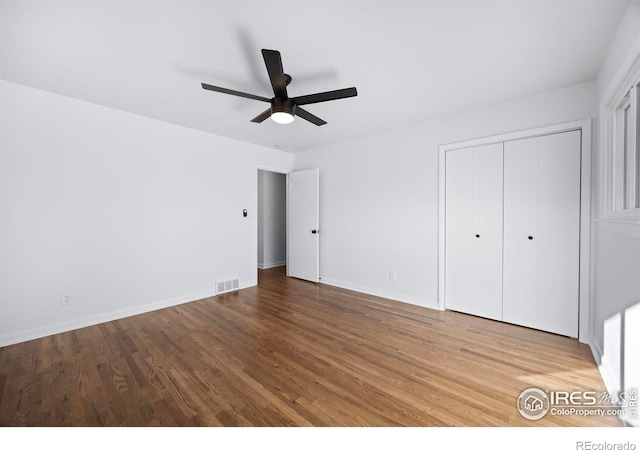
<point>231,284</point>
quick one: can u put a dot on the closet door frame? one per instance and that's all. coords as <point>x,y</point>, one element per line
<point>585,327</point>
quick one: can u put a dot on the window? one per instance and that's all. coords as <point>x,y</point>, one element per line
<point>617,206</point>
<point>627,153</point>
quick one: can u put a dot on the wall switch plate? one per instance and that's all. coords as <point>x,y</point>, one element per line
<point>66,299</point>
<point>393,276</point>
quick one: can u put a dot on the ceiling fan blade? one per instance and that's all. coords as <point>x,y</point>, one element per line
<point>325,96</point>
<point>306,115</point>
<point>262,116</point>
<point>232,92</point>
<point>276,73</point>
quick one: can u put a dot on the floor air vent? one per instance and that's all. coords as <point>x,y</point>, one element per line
<point>227,285</point>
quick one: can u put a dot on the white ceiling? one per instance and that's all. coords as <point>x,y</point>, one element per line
<point>409,60</point>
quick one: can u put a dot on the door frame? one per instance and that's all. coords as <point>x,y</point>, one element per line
<point>255,209</point>
<point>587,237</point>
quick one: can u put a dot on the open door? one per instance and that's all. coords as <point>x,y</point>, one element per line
<point>303,198</point>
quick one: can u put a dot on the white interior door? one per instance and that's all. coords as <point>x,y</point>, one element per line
<point>473,231</point>
<point>542,232</point>
<point>303,201</point>
<point>487,229</point>
<point>559,229</point>
<point>459,230</point>
<point>520,281</point>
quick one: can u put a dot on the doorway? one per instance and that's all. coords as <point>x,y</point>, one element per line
<point>272,219</point>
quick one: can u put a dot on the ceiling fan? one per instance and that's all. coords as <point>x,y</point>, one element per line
<point>283,109</point>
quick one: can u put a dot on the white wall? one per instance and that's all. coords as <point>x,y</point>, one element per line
<point>621,49</point>
<point>272,219</point>
<point>617,250</point>
<point>126,213</point>
<point>379,195</point>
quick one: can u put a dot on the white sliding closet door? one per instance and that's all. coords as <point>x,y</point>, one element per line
<point>542,232</point>
<point>473,234</point>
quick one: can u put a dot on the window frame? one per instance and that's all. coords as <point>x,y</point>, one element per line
<point>609,210</point>
<point>625,147</point>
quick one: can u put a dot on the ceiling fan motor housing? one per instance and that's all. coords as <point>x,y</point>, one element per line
<point>285,105</point>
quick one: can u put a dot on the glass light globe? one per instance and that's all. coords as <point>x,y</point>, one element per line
<point>282,117</point>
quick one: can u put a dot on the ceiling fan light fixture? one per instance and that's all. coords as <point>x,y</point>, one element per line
<point>282,110</point>
<point>282,117</point>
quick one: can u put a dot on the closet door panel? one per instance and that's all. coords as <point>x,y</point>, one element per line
<point>542,232</point>
<point>458,229</point>
<point>520,280</point>
<point>559,232</point>
<point>473,235</point>
<point>487,231</point>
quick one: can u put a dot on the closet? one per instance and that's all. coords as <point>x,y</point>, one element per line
<point>512,231</point>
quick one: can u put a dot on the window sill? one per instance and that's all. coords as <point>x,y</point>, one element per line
<point>626,219</point>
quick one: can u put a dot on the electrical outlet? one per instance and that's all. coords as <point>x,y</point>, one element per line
<point>393,276</point>
<point>66,299</point>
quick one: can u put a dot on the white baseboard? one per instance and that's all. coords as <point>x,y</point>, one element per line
<point>40,332</point>
<point>272,265</point>
<point>380,293</point>
<point>605,373</point>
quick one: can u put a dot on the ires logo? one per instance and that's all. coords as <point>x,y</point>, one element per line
<point>577,398</point>
<point>534,403</point>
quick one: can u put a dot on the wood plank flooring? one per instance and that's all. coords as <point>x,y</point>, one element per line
<point>291,353</point>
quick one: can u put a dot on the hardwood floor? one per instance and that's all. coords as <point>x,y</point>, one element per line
<point>291,353</point>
